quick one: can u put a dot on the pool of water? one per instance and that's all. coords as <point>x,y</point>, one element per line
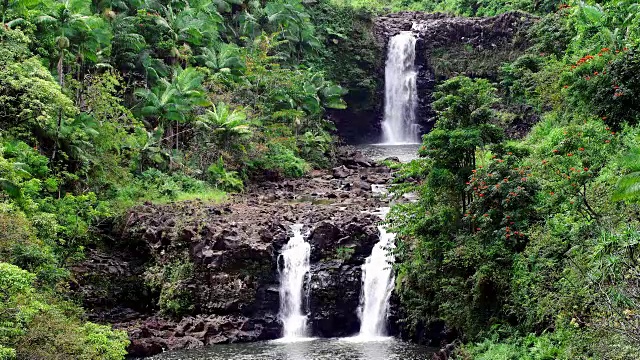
<point>404,152</point>
<point>312,349</point>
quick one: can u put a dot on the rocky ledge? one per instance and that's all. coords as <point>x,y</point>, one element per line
<point>192,274</point>
<point>438,29</point>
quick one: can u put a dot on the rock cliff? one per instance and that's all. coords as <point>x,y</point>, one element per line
<point>191,274</point>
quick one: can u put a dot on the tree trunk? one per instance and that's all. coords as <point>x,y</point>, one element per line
<point>60,69</point>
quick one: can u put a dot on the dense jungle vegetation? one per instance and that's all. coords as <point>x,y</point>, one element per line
<point>528,248</point>
<point>531,254</point>
<point>110,103</point>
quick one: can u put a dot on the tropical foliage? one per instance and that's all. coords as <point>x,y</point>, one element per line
<point>106,104</point>
<point>525,248</point>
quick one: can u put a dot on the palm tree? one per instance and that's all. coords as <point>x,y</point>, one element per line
<point>226,124</point>
<point>173,101</point>
<point>226,56</point>
<point>18,7</point>
<point>294,24</point>
<point>73,18</point>
<point>191,27</point>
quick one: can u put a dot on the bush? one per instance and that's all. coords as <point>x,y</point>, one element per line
<point>171,281</point>
<point>224,179</point>
<point>156,185</point>
<point>607,84</point>
<point>38,326</point>
<point>279,161</point>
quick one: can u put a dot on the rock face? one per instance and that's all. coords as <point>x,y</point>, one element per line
<point>213,269</point>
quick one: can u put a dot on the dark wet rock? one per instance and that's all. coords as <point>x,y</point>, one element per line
<point>155,335</point>
<point>433,333</point>
<point>147,346</point>
<point>334,298</point>
<point>365,185</point>
<point>341,172</point>
<point>446,352</point>
<point>323,239</point>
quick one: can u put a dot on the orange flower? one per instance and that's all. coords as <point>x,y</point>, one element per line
<point>581,149</point>
<point>569,154</point>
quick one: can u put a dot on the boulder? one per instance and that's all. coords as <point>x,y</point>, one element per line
<point>334,298</point>
<point>341,172</point>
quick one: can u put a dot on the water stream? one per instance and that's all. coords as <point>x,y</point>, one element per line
<point>293,272</point>
<point>401,91</point>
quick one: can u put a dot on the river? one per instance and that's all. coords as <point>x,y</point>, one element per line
<point>404,152</point>
<point>315,349</point>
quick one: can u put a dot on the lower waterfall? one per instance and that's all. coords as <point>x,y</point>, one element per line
<point>293,272</point>
<point>377,285</point>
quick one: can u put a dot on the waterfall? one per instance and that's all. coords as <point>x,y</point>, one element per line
<point>401,91</point>
<point>293,271</point>
<point>377,284</point>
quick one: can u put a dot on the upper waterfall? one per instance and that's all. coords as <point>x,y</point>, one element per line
<point>401,91</point>
<point>293,271</point>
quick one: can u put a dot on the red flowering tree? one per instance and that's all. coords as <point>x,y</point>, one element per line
<point>572,156</point>
<point>503,198</point>
<point>608,85</point>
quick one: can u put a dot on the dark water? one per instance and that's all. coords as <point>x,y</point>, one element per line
<point>319,349</point>
<point>405,153</point>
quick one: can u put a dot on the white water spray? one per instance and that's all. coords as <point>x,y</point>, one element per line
<point>377,285</point>
<point>295,268</point>
<point>400,91</point>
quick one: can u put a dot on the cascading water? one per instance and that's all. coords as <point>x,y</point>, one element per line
<point>293,271</point>
<point>377,284</point>
<point>401,91</point>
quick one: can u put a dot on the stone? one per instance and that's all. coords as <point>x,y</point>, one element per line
<point>341,172</point>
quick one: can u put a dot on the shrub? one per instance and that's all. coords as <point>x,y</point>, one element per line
<point>224,179</point>
<point>344,253</point>
<point>171,281</point>
<point>156,185</point>
<point>280,161</point>
<point>34,325</point>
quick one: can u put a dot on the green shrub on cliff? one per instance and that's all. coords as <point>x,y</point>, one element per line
<point>35,325</point>
<point>171,281</point>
